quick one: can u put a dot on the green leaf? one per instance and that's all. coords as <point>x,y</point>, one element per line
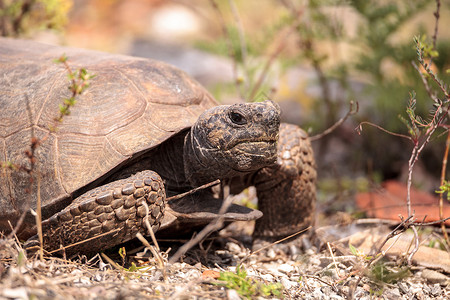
<point>353,250</point>
<point>122,252</point>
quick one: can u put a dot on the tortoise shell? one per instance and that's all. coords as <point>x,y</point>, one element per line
<point>131,106</point>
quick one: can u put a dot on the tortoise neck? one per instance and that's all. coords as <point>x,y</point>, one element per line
<point>202,164</point>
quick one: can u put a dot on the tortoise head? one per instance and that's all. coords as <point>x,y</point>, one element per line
<point>231,140</point>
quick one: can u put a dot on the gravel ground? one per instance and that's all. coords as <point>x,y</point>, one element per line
<point>304,268</point>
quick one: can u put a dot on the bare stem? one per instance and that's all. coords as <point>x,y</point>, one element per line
<point>359,130</point>
<point>441,195</point>
<point>351,111</point>
<point>179,196</point>
<point>425,83</point>
<point>211,227</point>
<point>436,24</point>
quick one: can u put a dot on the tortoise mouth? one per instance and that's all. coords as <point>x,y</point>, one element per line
<point>250,144</point>
<point>253,155</point>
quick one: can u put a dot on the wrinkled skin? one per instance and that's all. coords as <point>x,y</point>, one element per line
<point>229,141</point>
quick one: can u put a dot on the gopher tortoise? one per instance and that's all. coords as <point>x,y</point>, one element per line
<point>141,131</point>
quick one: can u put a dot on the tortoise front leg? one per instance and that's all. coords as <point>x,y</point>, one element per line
<point>287,191</point>
<point>106,216</point>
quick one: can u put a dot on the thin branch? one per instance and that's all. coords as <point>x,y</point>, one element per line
<point>425,83</point>
<point>436,24</point>
<point>179,196</point>
<point>274,243</point>
<point>441,221</point>
<point>214,225</point>
<point>359,130</point>
<point>351,111</point>
<point>441,195</point>
<point>154,251</point>
<point>426,66</point>
<point>39,218</point>
<point>85,241</point>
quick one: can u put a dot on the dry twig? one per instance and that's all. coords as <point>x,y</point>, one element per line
<point>211,227</point>
<point>351,111</point>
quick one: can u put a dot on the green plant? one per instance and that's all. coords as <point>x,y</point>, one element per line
<point>444,189</point>
<point>248,287</point>
<point>79,82</point>
<point>380,272</point>
<point>359,254</point>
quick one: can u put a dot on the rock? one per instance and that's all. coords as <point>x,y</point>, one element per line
<point>17,293</point>
<point>233,247</point>
<point>436,290</point>
<point>435,277</point>
<point>393,293</point>
<point>317,294</point>
<point>288,284</point>
<point>267,277</point>
<point>233,295</point>
<point>210,274</point>
<point>285,268</point>
<point>271,253</point>
<point>403,287</point>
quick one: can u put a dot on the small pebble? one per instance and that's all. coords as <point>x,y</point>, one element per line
<point>314,261</point>
<point>285,268</point>
<point>310,252</point>
<point>288,284</point>
<point>17,293</point>
<point>427,289</point>
<point>233,247</point>
<point>317,294</point>
<point>252,272</point>
<point>403,288</point>
<point>393,293</point>
<point>436,290</point>
<point>98,277</point>
<point>294,250</point>
<point>233,295</point>
<point>267,277</point>
<point>159,288</point>
<point>271,253</point>
<point>191,274</point>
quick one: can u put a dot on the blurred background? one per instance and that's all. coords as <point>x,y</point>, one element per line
<point>312,57</point>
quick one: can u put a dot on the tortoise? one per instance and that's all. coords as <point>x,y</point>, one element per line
<point>143,131</point>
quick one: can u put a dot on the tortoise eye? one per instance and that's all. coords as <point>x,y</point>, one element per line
<point>237,118</point>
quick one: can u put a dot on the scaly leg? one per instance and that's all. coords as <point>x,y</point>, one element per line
<point>116,209</point>
<point>287,191</point>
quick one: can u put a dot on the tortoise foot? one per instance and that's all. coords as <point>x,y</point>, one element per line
<point>287,192</point>
<point>106,216</point>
